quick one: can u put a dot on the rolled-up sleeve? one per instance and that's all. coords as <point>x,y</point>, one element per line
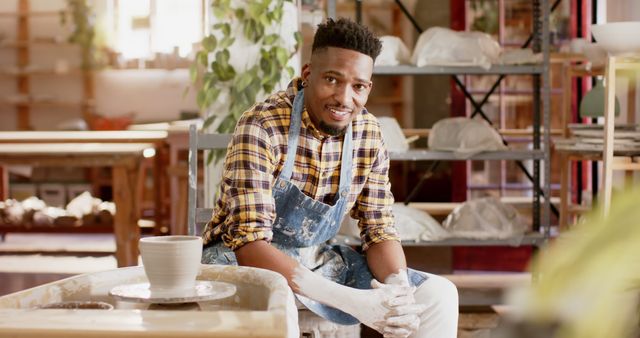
<point>373,206</point>
<point>246,185</point>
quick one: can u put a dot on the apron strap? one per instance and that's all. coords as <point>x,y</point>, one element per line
<point>346,165</point>
<point>294,133</point>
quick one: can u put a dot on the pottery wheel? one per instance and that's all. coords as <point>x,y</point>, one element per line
<point>203,291</point>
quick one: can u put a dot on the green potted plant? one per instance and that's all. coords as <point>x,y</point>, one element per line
<point>260,64</point>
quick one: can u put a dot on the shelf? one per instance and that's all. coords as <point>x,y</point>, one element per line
<point>49,103</point>
<point>29,14</point>
<point>535,239</point>
<point>18,73</point>
<point>66,229</point>
<point>86,229</point>
<point>424,132</point>
<point>24,44</point>
<point>455,70</point>
<point>428,155</point>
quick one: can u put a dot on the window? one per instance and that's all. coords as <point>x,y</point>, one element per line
<point>140,29</point>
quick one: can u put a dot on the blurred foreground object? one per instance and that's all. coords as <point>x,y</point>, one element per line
<point>588,280</point>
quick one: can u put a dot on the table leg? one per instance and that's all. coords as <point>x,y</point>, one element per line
<point>4,183</point>
<point>565,195</point>
<point>125,228</point>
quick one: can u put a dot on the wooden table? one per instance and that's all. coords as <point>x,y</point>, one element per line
<point>122,151</point>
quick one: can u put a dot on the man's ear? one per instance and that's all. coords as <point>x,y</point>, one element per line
<point>306,71</point>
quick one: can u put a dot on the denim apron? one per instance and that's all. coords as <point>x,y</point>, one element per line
<point>303,226</point>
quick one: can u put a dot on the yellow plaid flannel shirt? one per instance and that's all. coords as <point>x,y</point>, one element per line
<point>245,209</point>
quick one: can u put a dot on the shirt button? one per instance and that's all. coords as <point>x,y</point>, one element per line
<point>343,193</point>
<point>283,184</point>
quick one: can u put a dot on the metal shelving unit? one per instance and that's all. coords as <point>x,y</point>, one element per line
<point>432,155</point>
<point>541,121</point>
<point>458,70</point>
<point>529,239</point>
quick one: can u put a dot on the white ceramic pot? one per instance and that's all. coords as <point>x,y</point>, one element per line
<point>171,262</point>
<point>618,38</point>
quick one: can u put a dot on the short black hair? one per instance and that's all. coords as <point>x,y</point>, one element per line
<point>344,33</point>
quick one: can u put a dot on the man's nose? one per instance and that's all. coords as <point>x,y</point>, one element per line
<point>343,95</point>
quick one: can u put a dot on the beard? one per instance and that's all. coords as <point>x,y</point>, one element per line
<point>331,130</point>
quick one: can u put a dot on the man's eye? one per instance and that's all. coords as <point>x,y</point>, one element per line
<point>360,87</point>
<point>330,79</point>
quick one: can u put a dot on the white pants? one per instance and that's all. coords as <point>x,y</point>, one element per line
<point>441,317</point>
<point>440,320</point>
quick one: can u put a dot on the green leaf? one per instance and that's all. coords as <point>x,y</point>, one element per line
<point>244,80</point>
<point>265,19</point>
<point>240,13</point>
<point>200,99</point>
<point>219,13</point>
<point>202,58</point>
<point>277,14</point>
<point>209,43</point>
<point>193,72</point>
<point>228,124</point>
<point>226,42</point>
<point>298,38</point>
<point>207,81</point>
<point>212,95</point>
<point>221,8</point>
<point>265,65</point>
<point>208,121</point>
<point>281,55</point>
<point>222,57</point>
<point>255,9</point>
<point>290,71</point>
<point>248,30</point>
<point>224,27</point>
<point>271,38</point>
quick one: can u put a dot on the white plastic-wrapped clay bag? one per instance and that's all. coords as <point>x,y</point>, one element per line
<point>464,136</point>
<point>412,224</point>
<point>445,47</point>
<point>392,134</point>
<point>485,218</point>
<point>394,52</point>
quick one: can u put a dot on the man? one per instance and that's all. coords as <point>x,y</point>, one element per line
<point>296,164</point>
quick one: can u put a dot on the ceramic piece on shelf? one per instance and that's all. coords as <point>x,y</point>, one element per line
<point>592,104</point>
<point>618,38</point>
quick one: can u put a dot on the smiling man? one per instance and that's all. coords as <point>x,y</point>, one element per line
<point>297,164</point>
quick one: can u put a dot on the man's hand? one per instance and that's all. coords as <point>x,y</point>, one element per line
<point>403,317</point>
<point>370,307</point>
